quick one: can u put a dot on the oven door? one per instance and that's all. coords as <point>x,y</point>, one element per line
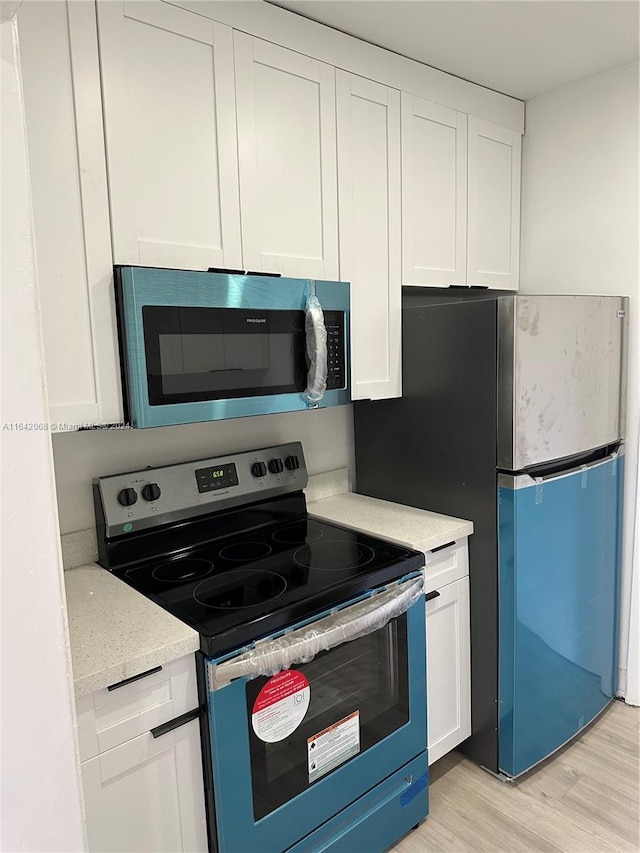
<point>204,346</point>
<point>293,749</point>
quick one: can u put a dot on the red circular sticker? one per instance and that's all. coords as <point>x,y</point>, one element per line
<point>280,706</point>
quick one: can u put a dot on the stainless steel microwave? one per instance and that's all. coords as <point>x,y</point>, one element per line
<point>202,346</point>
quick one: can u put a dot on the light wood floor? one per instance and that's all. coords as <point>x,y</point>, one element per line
<point>584,800</point>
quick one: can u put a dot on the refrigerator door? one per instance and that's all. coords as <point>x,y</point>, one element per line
<point>559,555</point>
<point>560,374</point>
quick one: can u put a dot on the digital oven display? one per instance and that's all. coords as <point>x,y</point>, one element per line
<point>220,477</point>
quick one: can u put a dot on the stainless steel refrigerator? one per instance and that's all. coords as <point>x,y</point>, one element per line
<point>512,416</point>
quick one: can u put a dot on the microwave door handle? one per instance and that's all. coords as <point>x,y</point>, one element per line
<point>316,344</point>
<point>303,645</point>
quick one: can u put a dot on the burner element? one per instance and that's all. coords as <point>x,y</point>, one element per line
<point>330,555</point>
<point>182,569</point>
<point>239,588</point>
<point>245,552</point>
<point>298,533</point>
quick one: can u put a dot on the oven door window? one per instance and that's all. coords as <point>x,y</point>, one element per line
<point>196,354</point>
<point>362,686</point>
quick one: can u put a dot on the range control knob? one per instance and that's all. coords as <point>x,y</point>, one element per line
<point>276,466</point>
<point>151,492</point>
<point>127,497</point>
<point>258,469</point>
<point>292,463</point>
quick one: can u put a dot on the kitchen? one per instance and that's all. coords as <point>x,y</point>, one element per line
<point>557,126</point>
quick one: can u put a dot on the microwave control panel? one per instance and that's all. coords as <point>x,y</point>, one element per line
<point>334,324</point>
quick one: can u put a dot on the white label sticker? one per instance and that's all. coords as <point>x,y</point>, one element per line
<point>333,746</point>
<point>280,706</point>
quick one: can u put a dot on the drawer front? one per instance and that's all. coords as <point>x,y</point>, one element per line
<point>111,717</point>
<point>446,565</point>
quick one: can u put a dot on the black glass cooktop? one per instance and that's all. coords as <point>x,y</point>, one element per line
<point>248,585</point>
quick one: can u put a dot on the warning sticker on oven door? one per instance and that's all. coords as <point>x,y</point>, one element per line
<point>333,746</point>
<point>280,706</point>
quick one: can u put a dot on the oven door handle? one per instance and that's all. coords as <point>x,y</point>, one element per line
<point>301,646</point>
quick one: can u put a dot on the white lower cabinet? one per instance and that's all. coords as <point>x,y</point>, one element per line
<point>141,795</point>
<point>143,792</point>
<point>448,653</point>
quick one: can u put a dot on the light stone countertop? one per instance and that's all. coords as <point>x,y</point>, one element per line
<point>404,525</point>
<point>116,632</point>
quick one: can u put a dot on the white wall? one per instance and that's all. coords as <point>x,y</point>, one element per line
<point>40,791</point>
<point>326,436</point>
<point>580,228</point>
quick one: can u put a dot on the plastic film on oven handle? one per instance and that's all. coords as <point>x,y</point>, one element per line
<point>303,645</point>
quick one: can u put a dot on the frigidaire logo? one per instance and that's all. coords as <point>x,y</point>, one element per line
<point>256,320</point>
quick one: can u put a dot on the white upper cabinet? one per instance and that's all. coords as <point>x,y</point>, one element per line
<point>171,136</point>
<point>370,221</point>
<point>261,140</point>
<point>63,111</point>
<point>494,205</point>
<point>287,153</point>
<point>434,193</point>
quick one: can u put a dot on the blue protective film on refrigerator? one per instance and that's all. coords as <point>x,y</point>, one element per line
<point>559,543</point>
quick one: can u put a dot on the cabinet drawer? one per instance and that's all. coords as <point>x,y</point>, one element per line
<point>114,715</point>
<point>446,565</point>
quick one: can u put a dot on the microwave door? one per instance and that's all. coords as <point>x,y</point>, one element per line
<point>214,363</point>
<point>206,354</point>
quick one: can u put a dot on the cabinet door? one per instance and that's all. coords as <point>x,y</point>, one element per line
<point>63,112</point>
<point>494,205</point>
<point>448,669</point>
<point>287,153</point>
<point>147,794</point>
<point>171,136</point>
<point>434,193</point>
<point>368,116</point>
<point>143,792</point>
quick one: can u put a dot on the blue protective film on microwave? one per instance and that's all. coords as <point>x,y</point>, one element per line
<point>146,286</point>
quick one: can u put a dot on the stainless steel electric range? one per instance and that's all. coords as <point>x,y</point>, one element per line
<point>312,636</point>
